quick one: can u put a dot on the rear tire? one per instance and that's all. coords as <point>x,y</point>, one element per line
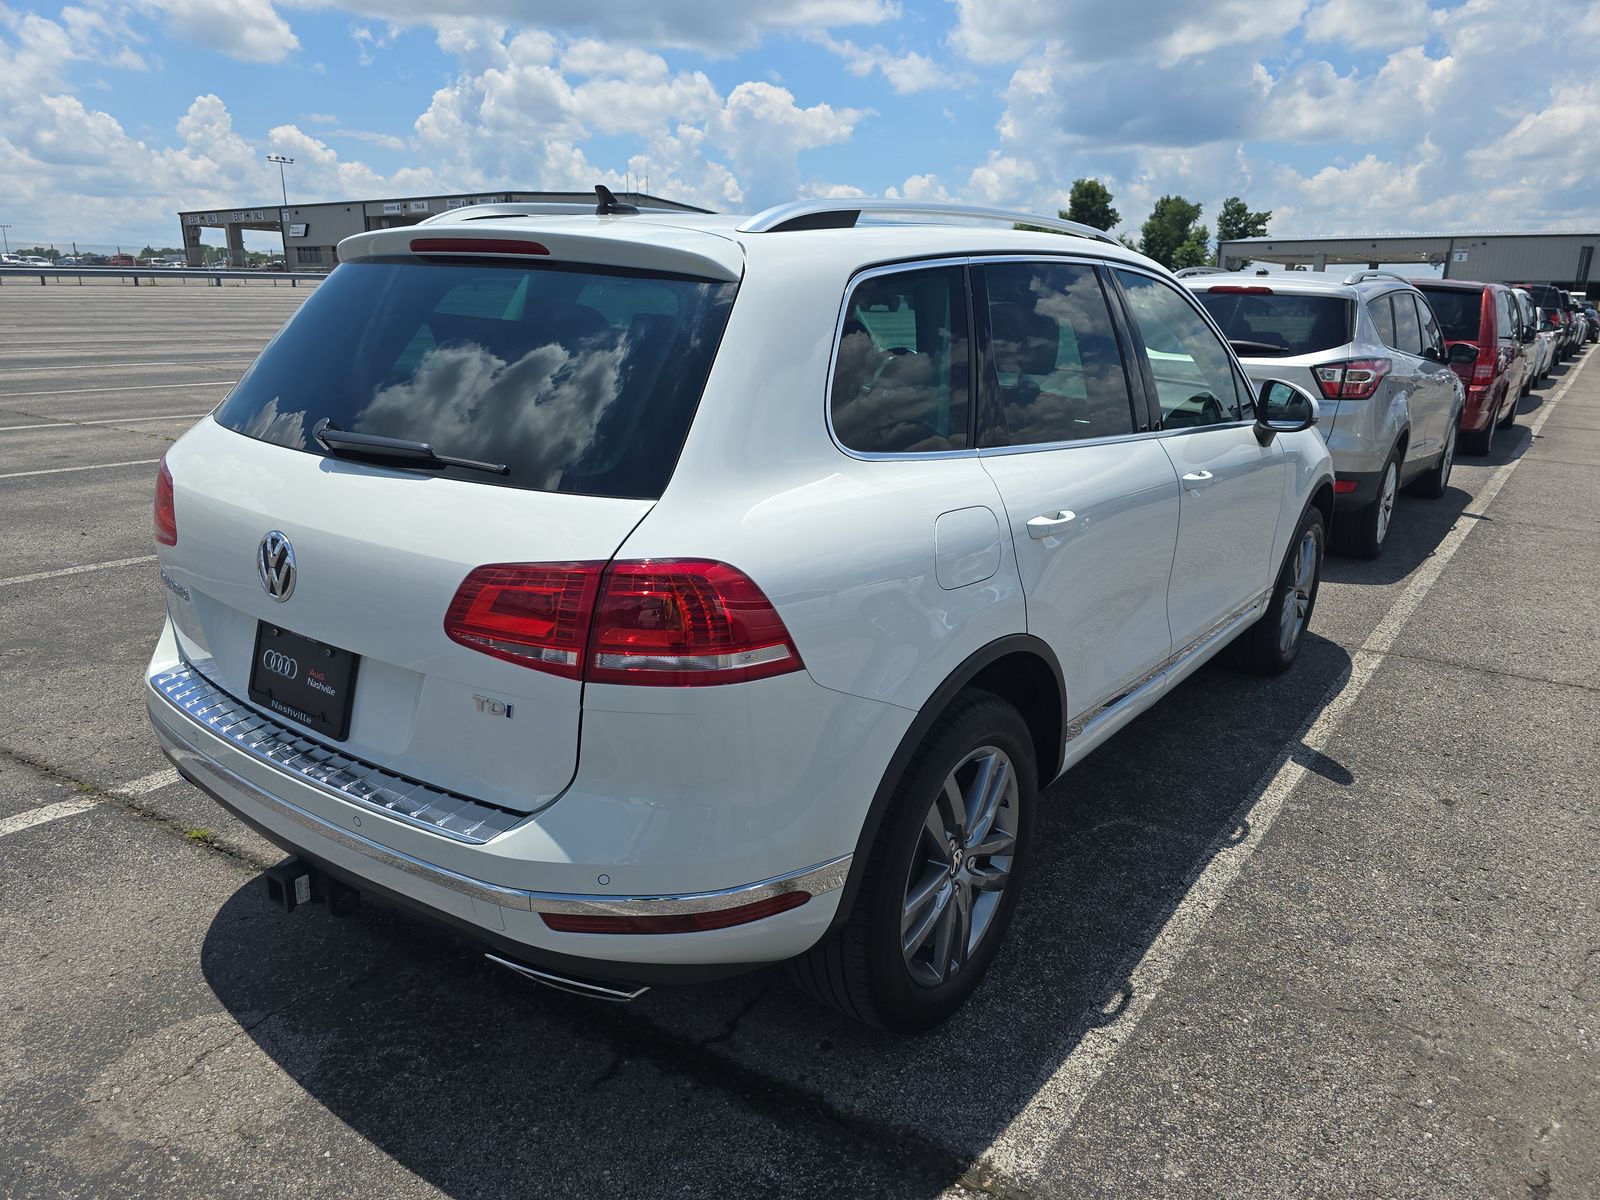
<point>1479,441</point>
<point>1432,484</point>
<point>940,885</point>
<point>1510,419</point>
<point>1270,646</point>
<point>1362,533</point>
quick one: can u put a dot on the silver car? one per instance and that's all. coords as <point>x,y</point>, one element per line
<point>1368,345</point>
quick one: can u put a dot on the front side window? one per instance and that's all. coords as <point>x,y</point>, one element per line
<point>1057,367</point>
<point>578,380</point>
<point>900,375</point>
<point>1194,376</point>
<point>1431,334</point>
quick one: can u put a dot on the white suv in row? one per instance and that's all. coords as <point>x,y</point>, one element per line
<point>655,596</point>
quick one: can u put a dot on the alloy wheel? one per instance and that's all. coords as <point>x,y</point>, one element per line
<point>1386,497</point>
<point>960,867</point>
<point>1296,610</point>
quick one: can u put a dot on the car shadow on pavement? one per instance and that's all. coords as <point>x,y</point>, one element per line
<point>485,1086</point>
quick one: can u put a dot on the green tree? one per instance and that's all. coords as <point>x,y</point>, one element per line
<point>1237,221</point>
<point>1090,204</point>
<point>1171,235</point>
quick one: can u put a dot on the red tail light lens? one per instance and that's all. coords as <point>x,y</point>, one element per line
<point>534,614</point>
<point>685,622</point>
<point>662,623</point>
<point>721,918</point>
<point>459,245</point>
<point>166,511</point>
<point>1351,379</point>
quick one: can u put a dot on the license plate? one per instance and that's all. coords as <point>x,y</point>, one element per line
<point>304,680</point>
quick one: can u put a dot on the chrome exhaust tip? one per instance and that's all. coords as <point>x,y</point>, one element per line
<point>616,993</point>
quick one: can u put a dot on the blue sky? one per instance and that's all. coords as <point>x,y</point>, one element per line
<point>1337,115</point>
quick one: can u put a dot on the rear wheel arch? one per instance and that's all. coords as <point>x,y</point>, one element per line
<point>1019,668</point>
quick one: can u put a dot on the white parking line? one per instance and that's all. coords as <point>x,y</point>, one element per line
<point>46,813</point>
<point>99,366</point>
<point>132,462</point>
<point>1101,1036</point>
<point>105,421</point>
<point>103,566</point>
<point>137,387</point>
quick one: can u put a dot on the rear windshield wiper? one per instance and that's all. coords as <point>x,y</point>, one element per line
<point>1245,346</point>
<point>372,445</point>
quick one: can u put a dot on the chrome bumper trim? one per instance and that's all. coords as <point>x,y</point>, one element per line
<point>328,770</point>
<point>200,766</point>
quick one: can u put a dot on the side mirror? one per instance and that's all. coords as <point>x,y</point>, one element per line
<point>1283,407</point>
<point>1463,354</point>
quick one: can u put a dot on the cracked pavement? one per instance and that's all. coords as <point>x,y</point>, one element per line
<point>1397,993</point>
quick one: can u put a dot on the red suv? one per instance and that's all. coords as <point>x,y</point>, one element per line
<point>1482,316</point>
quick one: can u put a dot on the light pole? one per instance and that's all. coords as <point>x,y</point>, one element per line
<point>6,236</point>
<point>283,231</point>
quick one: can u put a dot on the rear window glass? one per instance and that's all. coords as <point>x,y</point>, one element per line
<point>579,381</point>
<point>1279,326</point>
<point>1458,310</point>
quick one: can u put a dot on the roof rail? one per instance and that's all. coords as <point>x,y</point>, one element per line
<point>1188,271</point>
<point>844,213</point>
<point>487,212</point>
<point>1360,276</point>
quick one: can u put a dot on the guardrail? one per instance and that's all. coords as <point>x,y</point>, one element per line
<point>211,276</point>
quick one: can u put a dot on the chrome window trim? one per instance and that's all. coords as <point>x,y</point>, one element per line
<point>817,880</point>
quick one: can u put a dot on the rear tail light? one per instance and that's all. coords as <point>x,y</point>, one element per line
<point>166,511</point>
<point>1351,379</point>
<point>721,918</point>
<point>1483,369</point>
<point>663,622</point>
<point>478,246</point>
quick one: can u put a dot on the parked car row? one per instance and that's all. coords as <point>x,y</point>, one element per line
<point>654,596</point>
<point>1404,368</point>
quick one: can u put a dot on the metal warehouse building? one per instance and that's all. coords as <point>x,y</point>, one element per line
<point>1564,259</point>
<point>311,232</point>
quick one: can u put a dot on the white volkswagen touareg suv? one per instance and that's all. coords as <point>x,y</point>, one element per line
<point>655,595</point>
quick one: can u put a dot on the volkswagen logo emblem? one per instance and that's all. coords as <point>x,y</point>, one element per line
<point>275,565</point>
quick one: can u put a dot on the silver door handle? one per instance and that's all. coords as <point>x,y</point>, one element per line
<point>1050,524</point>
<point>1197,479</point>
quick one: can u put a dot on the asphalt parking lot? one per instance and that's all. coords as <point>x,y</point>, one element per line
<point>1336,934</point>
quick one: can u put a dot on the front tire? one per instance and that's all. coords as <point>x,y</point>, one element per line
<point>942,879</point>
<point>1270,646</point>
<point>1432,484</point>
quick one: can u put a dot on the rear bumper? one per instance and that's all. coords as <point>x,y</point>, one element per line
<point>477,887</point>
<point>1365,491</point>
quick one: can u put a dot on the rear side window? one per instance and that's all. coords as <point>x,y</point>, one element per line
<point>1407,326</point>
<point>580,381</point>
<point>1506,328</point>
<point>1056,364</point>
<point>1381,311</point>
<point>1279,326</point>
<point>1458,310</point>
<point>900,375</point>
<point>1193,372</point>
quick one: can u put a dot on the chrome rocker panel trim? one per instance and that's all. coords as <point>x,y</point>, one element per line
<point>198,766</point>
